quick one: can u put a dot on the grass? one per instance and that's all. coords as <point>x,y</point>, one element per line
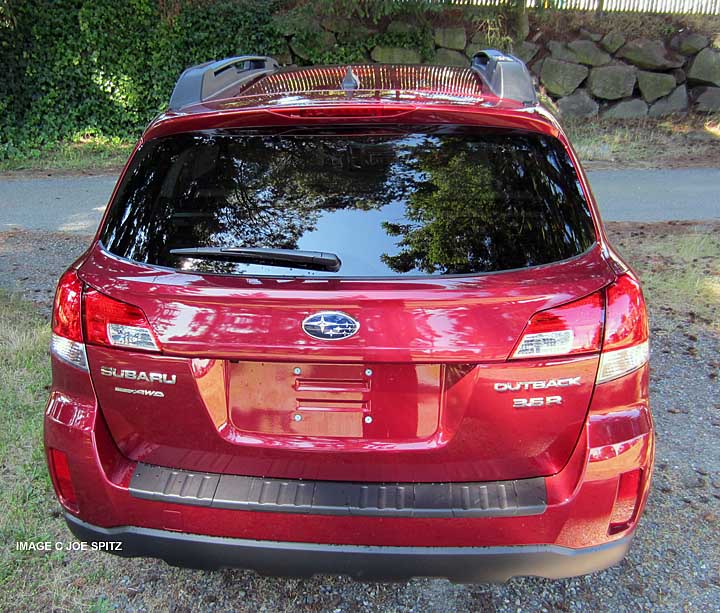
<point>85,153</point>
<point>679,264</point>
<point>34,581</point>
<point>563,24</point>
<point>648,142</point>
<point>25,491</point>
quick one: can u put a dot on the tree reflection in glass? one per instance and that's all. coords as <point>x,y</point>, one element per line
<point>491,204</point>
<point>436,201</point>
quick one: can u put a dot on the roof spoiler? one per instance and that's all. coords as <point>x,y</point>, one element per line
<point>505,75</point>
<point>199,83</point>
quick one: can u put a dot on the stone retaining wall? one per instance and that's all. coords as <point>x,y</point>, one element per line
<point>607,75</point>
<point>594,74</point>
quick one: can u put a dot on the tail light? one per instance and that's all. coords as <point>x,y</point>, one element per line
<point>577,327</point>
<point>112,323</point>
<point>572,328</point>
<point>625,347</point>
<point>67,338</point>
<point>60,474</point>
<point>107,322</point>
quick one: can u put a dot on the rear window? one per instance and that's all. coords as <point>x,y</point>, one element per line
<point>424,202</point>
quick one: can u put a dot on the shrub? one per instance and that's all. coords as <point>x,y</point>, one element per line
<point>77,68</point>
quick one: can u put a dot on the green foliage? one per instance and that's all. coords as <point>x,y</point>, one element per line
<point>78,69</point>
<point>491,31</point>
<point>343,31</point>
<point>377,10</point>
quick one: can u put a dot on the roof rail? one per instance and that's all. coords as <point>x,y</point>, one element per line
<point>505,75</point>
<point>199,83</point>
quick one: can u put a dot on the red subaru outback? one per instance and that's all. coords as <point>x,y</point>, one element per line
<point>359,320</point>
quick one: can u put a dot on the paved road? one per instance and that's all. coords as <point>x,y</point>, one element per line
<point>75,204</point>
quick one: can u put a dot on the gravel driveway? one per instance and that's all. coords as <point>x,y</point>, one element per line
<point>674,563</point>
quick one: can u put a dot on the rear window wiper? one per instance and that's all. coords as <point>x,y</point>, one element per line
<point>315,260</point>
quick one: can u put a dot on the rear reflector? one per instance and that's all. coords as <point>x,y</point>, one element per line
<point>60,472</point>
<point>572,328</point>
<point>113,323</point>
<point>626,500</point>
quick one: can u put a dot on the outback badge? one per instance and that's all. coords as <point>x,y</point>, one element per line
<point>330,325</point>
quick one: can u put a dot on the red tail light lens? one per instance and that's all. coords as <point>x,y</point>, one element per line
<point>113,323</point>
<point>67,338</point>
<point>626,318</point>
<point>572,328</point>
<point>60,473</point>
<point>625,348</point>
<point>66,321</point>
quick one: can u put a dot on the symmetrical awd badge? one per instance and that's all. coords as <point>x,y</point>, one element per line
<point>330,325</point>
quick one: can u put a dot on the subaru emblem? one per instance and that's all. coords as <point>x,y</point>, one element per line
<point>330,325</point>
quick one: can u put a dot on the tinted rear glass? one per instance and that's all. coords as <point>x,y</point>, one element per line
<point>435,201</point>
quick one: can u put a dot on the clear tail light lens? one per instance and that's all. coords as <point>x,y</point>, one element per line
<point>614,364</point>
<point>67,338</point>
<point>572,328</point>
<point>626,347</point>
<point>69,351</point>
<point>112,323</point>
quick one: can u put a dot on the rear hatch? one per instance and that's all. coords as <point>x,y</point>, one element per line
<point>400,365</point>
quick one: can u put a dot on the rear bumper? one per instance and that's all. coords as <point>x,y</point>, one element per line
<point>292,559</point>
<point>562,529</point>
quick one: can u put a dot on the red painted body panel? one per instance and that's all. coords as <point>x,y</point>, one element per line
<point>436,348</point>
<point>580,496</point>
<point>460,319</point>
<point>446,321</point>
<point>467,433</point>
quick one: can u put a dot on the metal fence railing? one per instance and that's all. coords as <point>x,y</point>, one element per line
<point>684,7</point>
<point>700,7</point>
